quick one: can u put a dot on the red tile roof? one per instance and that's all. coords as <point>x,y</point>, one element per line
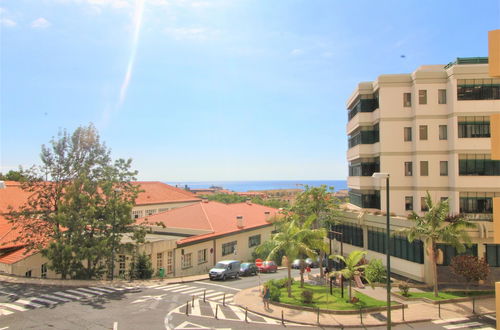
<point>218,218</point>
<point>155,192</point>
<point>14,256</point>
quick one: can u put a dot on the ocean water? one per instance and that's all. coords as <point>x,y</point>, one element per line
<point>243,186</point>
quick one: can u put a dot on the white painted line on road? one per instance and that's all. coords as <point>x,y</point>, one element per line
<point>219,285</point>
<point>99,293</point>
<point>4,328</point>
<point>193,291</point>
<point>115,325</point>
<point>196,310</point>
<point>239,313</point>
<point>54,297</point>
<point>28,303</point>
<point>12,306</point>
<point>88,295</point>
<point>115,288</point>
<point>5,312</point>
<point>102,289</point>
<point>169,286</point>
<point>184,288</point>
<point>458,319</point>
<point>67,295</point>
<point>490,317</point>
<point>462,325</point>
<point>216,293</point>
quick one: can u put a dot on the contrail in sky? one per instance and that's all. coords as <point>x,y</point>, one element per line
<point>138,12</point>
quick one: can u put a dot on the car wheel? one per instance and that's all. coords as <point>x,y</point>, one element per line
<point>223,277</point>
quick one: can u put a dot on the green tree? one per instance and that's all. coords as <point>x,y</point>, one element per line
<point>320,203</point>
<point>143,268</point>
<point>352,267</point>
<point>80,204</point>
<point>295,239</point>
<point>432,228</point>
<point>375,271</point>
<point>13,175</point>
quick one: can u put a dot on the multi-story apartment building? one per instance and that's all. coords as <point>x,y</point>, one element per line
<point>431,130</point>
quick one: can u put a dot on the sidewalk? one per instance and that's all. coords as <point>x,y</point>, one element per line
<point>415,312</point>
<point>117,282</point>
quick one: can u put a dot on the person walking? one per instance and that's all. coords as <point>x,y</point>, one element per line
<point>266,295</point>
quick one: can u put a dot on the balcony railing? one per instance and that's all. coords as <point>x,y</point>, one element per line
<point>363,105</point>
<point>363,137</point>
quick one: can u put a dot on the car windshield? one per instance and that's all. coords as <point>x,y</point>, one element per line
<point>245,265</point>
<point>220,265</point>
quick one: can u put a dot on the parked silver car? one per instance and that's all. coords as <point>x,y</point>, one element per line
<point>225,269</point>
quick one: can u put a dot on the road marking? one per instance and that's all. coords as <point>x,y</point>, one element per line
<point>459,319</point>
<point>5,312</point>
<point>91,291</point>
<point>196,310</point>
<point>169,286</point>
<point>178,289</point>
<point>102,289</point>
<point>88,295</point>
<point>239,313</point>
<point>54,297</point>
<point>67,295</point>
<point>216,293</point>
<point>4,328</point>
<point>28,303</point>
<point>219,285</point>
<point>115,325</point>
<point>462,325</point>
<point>193,291</point>
<point>12,306</point>
<point>490,317</point>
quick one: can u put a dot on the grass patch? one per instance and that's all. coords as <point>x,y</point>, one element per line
<point>324,300</point>
<point>443,295</point>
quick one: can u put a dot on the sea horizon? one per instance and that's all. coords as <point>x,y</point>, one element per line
<point>250,185</point>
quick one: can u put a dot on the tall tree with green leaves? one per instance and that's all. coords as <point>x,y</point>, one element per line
<point>295,239</point>
<point>432,228</point>
<point>320,203</point>
<point>80,204</point>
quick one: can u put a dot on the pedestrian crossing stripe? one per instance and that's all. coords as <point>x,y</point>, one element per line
<point>54,298</point>
<point>223,312</point>
<point>460,323</point>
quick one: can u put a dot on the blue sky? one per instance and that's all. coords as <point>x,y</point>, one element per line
<point>216,89</point>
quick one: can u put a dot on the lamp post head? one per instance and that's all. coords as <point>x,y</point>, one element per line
<point>378,175</point>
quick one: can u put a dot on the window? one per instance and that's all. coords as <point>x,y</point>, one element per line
<point>443,168</point>
<point>28,273</point>
<point>254,241</point>
<point>408,168</point>
<point>368,199</point>
<point>474,127</point>
<point>121,264</point>
<point>407,100</point>
<point>478,89</point>
<point>409,203</point>
<point>423,132</point>
<point>477,202</point>
<point>422,96</point>
<point>493,255</point>
<point>136,214</point>
<point>202,256</point>
<point>162,209</point>
<point>364,135</point>
<point>228,248</point>
<point>478,164</point>
<point>443,132</point>
<point>170,262</point>
<point>441,96</point>
<point>151,211</point>
<point>449,252</point>
<point>159,261</point>
<point>351,234</point>
<point>43,270</point>
<point>186,260</point>
<point>423,205</point>
<point>400,247</point>
<point>407,133</point>
<point>424,168</point>
<point>443,199</point>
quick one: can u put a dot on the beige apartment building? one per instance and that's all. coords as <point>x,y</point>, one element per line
<point>431,130</point>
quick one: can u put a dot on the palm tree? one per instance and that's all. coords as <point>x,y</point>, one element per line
<point>352,267</point>
<point>432,228</point>
<point>295,239</point>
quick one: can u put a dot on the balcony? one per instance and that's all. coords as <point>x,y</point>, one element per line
<point>363,137</point>
<point>363,105</point>
<point>360,182</point>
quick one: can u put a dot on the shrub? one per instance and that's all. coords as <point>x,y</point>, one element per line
<point>307,296</point>
<point>471,268</point>
<point>143,268</point>
<point>274,290</point>
<point>282,283</point>
<point>375,272</point>
<point>404,287</point>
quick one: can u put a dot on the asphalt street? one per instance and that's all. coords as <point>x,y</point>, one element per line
<point>154,306</point>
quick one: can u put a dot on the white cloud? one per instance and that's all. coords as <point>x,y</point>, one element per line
<point>296,52</point>
<point>7,22</point>
<point>40,23</point>
<point>191,33</point>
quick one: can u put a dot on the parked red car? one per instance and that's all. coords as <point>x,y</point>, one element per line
<point>268,267</point>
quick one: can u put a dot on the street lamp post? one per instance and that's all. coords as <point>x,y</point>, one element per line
<point>342,254</point>
<point>387,245</point>
<point>113,232</point>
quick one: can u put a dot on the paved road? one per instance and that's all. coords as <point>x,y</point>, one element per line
<point>150,307</point>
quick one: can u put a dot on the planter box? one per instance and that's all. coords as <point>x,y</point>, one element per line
<point>339,312</point>
<point>442,301</point>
